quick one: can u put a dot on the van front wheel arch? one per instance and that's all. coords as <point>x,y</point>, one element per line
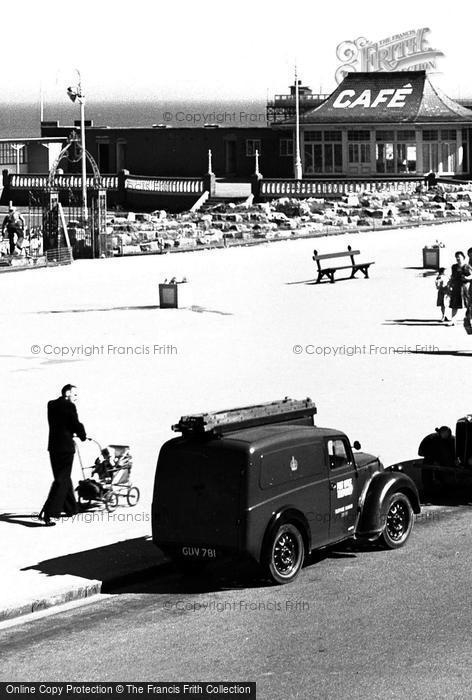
<point>284,553</point>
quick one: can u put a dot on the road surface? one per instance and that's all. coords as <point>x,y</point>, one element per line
<point>358,623</point>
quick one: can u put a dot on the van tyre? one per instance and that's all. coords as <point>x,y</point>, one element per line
<point>398,521</point>
<point>284,554</point>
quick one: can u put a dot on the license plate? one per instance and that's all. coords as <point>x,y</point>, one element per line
<point>199,552</point>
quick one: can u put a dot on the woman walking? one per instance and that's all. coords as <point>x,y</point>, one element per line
<point>458,284</point>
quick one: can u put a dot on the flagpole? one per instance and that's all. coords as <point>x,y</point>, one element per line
<point>297,160</point>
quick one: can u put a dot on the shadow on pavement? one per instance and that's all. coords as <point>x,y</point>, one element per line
<point>414,322</point>
<point>137,566</point>
<point>149,307</point>
<point>25,519</point>
<point>116,559</point>
<point>453,353</point>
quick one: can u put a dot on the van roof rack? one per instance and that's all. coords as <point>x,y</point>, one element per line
<point>220,422</point>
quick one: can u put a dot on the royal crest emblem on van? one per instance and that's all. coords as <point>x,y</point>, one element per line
<point>293,464</point>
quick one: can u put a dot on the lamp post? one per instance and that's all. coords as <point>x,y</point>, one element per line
<point>76,93</point>
<point>297,160</point>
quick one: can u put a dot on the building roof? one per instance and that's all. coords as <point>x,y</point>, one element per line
<point>396,97</point>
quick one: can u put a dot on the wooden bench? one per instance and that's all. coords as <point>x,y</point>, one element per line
<point>329,271</point>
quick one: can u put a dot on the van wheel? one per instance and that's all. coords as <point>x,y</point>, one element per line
<point>285,554</point>
<point>398,521</point>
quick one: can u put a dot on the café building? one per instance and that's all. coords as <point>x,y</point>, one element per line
<point>386,124</point>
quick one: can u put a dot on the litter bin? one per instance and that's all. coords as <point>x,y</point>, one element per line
<point>168,296</point>
<point>431,257</point>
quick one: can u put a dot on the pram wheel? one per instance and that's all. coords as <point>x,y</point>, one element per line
<point>132,496</point>
<point>111,501</point>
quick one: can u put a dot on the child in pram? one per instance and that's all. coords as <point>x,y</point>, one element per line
<point>113,468</point>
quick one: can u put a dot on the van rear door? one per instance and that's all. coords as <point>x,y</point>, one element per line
<point>197,496</point>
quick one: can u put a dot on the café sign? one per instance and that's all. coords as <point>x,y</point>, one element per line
<point>368,98</point>
<point>407,51</point>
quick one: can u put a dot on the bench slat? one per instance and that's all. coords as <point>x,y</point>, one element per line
<point>325,256</point>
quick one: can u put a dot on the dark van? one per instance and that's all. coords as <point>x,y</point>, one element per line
<point>264,481</point>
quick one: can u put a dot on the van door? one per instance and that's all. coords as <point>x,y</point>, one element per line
<point>343,488</point>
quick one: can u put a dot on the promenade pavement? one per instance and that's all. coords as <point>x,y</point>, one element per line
<point>251,328</point>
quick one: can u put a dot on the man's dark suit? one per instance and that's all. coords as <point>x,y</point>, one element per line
<point>63,425</point>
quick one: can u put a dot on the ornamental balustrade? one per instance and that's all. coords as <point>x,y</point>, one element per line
<point>69,181</point>
<point>169,185</point>
<point>66,181</point>
<point>313,188</point>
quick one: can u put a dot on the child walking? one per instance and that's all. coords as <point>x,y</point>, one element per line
<point>442,283</point>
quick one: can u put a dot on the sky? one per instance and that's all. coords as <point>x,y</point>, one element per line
<point>147,49</point>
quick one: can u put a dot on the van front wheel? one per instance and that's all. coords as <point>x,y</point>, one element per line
<point>398,522</point>
<point>285,554</point>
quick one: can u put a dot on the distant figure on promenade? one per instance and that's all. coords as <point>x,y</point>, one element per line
<point>430,179</point>
<point>442,285</point>
<point>458,284</point>
<point>14,226</point>
<point>63,425</point>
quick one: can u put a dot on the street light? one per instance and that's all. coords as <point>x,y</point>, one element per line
<point>76,93</point>
<point>297,160</point>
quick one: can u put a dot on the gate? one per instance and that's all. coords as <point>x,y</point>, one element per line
<point>62,219</point>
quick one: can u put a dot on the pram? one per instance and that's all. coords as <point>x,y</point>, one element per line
<point>112,470</point>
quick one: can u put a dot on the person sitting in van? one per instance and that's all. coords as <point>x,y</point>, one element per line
<point>439,447</point>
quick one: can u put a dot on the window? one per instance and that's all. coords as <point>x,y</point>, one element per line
<point>337,453</point>
<point>253,145</point>
<point>406,158</point>
<point>384,135</point>
<point>358,153</point>
<point>313,158</point>
<point>449,157</point>
<point>406,135</point>
<point>448,134</point>
<point>333,158</point>
<point>358,135</point>
<point>430,157</point>
<point>313,135</point>
<point>120,155</point>
<point>286,147</point>
<point>8,154</point>
<point>333,136</point>
<point>385,157</point>
<point>430,135</point>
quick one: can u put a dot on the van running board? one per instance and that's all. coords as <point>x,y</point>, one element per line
<point>219,422</point>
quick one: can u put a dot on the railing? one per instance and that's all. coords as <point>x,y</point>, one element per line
<point>165,185</point>
<point>313,188</point>
<point>310,97</point>
<point>59,256</point>
<point>65,181</point>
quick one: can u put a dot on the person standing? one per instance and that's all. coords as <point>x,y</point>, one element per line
<point>442,287</point>
<point>458,284</point>
<point>64,424</point>
<point>14,226</point>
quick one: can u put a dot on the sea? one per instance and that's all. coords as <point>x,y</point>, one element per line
<point>23,119</point>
